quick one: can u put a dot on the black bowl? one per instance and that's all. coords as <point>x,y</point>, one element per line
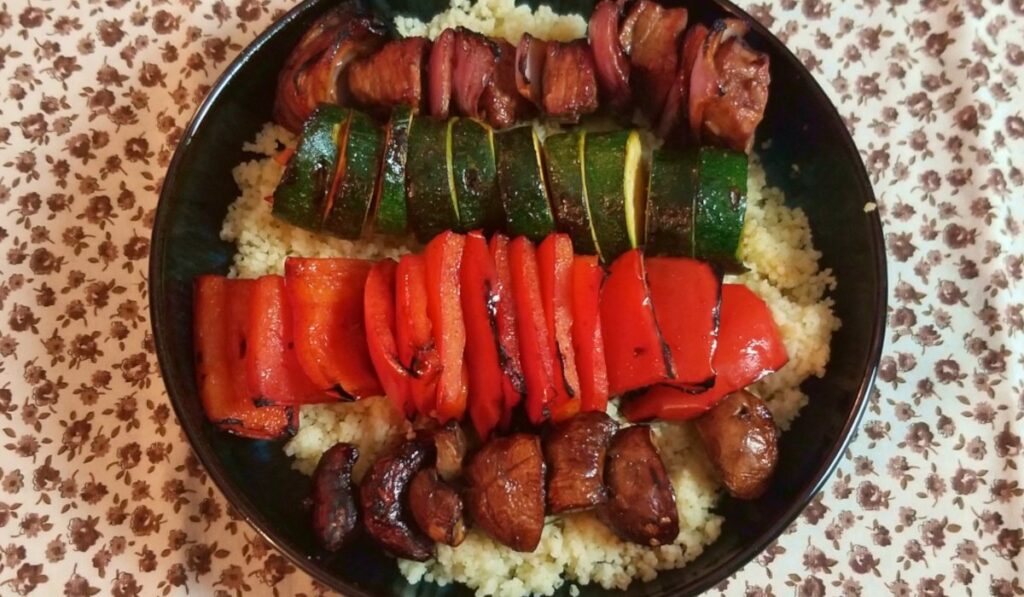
<point>256,477</point>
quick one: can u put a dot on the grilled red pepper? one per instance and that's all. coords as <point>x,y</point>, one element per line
<point>513,384</point>
<point>444,304</point>
<point>326,300</point>
<point>480,300</point>
<point>749,348</point>
<point>554,264</point>
<point>274,372</point>
<point>379,313</point>
<point>587,340</point>
<point>686,294</point>
<point>534,344</point>
<point>636,352</point>
<point>221,324</point>
<point>415,335</point>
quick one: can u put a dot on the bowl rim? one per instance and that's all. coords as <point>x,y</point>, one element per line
<point>257,519</point>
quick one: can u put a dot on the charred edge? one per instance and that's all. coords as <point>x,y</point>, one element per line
<point>293,421</point>
<point>261,401</point>
<point>716,318</point>
<point>504,361</point>
<point>666,351</point>
<point>417,360</point>
<point>342,394</point>
<point>700,387</point>
<point>231,422</point>
<point>565,380</point>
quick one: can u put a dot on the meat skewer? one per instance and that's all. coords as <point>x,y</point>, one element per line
<point>698,85</point>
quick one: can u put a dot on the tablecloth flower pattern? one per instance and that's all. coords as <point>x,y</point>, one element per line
<point>99,492</point>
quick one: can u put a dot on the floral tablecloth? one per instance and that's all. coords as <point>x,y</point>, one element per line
<point>100,494</point>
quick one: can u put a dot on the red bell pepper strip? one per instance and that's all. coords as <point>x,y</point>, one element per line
<point>534,345</point>
<point>220,324</point>
<point>587,340</point>
<point>554,264</point>
<point>326,300</point>
<point>416,349</point>
<point>444,304</point>
<point>274,372</point>
<point>479,281</point>
<point>379,312</point>
<point>636,352</point>
<point>513,384</point>
<point>686,294</point>
<point>749,348</point>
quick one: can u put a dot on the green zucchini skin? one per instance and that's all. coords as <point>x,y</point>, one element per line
<point>473,175</point>
<point>300,197</point>
<point>604,160</point>
<point>353,190</point>
<point>720,205</point>
<point>563,166</point>
<point>524,194</point>
<point>392,215</point>
<point>429,198</point>
<point>671,196</point>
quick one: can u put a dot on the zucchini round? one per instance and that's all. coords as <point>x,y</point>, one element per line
<point>301,196</point>
<point>524,194</point>
<point>473,177</point>
<point>429,198</point>
<point>355,178</point>
<point>614,187</point>
<point>671,194</point>
<point>721,205</point>
<point>563,159</point>
<point>392,215</point>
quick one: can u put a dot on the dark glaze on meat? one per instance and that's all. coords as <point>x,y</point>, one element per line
<point>437,508</point>
<point>391,77</point>
<point>653,35</point>
<point>449,441</point>
<point>574,451</point>
<point>335,513</point>
<point>612,66</point>
<point>742,442</point>
<point>313,72</point>
<point>382,498</point>
<point>501,100</point>
<point>474,64</point>
<point>570,80</point>
<point>505,495</point>
<point>641,503</point>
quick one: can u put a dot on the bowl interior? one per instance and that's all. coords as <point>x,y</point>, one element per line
<point>832,188</point>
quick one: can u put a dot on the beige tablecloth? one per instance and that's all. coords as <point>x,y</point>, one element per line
<point>98,489</point>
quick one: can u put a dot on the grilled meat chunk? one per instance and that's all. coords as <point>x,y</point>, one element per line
<point>506,490</point>
<point>437,508</point>
<point>391,77</point>
<point>439,77</point>
<point>335,513</point>
<point>501,100</point>
<point>476,57</point>
<point>641,503</point>
<point>313,72</point>
<point>570,80</point>
<point>609,59</point>
<point>677,102</point>
<point>654,36</point>
<point>742,442</point>
<point>530,56</point>
<point>449,442</point>
<point>741,75</point>
<point>383,498</point>
<point>574,451</point>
